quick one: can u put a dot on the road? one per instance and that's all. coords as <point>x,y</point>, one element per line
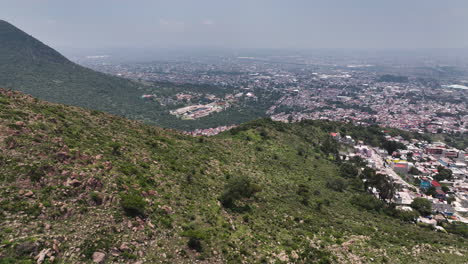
<point>379,163</point>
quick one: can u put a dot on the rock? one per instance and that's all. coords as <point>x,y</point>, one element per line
<point>19,123</point>
<point>124,247</point>
<point>115,252</point>
<point>99,257</point>
<point>47,226</point>
<point>167,209</point>
<point>73,182</point>
<point>29,194</point>
<point>55,248</point>
<point>42,255</point>
<point>94,183</point>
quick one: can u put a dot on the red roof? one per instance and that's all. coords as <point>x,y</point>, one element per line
<point>435,184</point>
<point>333,134</point>
<point>400,165</point>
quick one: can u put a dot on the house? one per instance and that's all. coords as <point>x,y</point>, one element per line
<point>403,198</point>
<point>436,185</point>
<point>427,221</point>
<point>442,208</point>
<point>440,194</point>
<point>348,140</point>
<point>425,183</point>
<point>335,136</point>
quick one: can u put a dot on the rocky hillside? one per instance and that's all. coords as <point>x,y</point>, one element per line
<point>79,186</point>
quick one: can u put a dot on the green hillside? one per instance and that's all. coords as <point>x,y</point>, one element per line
<point>28,65</point>
<point>76,182</point>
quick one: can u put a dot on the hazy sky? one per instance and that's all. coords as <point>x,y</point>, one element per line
<point>301,24</point>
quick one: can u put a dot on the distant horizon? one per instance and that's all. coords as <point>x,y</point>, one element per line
<point>243,24</point>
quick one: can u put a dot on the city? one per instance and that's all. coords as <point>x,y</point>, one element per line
<point>431,100</point>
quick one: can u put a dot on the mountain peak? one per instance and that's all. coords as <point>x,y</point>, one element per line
<point>16,46</point>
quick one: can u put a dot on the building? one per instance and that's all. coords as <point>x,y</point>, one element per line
<point>425,183</point>
<point>441,208</point>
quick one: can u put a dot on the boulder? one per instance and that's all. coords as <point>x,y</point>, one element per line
<point>99,257</point>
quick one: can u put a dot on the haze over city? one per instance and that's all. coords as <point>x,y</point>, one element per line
<point>301,24</point>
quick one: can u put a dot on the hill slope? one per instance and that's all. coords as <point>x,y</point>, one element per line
<point>28,65</point>
<point>75,183</point>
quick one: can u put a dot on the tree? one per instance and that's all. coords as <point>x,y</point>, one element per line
<point>330,146</point>
<point>445,188</point>
<point>386,189</point>
<point>406,216</point>
<point>237,189</point>
<point>431,191</point>
<point>443,174</point>
<point>337,184</point>
<point>422,205</point>
<point>414,171</point>
<point>392,146</point>
<point>348,170</point>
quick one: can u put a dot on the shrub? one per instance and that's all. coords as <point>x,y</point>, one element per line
<point>406,216</point>
<point>133,204</point>
<point>367,202</point>
<point>337,184</point>
<point>116,147</point>
<point>36,172</point>
<point>348,170</point>
<point>195,239</point>
<point>237,189</point>
<point>303,191</point>
<point>458,228</point>
<point>96,198</point>
<point>422,205</point>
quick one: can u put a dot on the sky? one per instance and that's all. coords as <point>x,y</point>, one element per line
<point>268,24</point>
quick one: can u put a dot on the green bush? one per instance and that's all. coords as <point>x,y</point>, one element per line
<point>367,202</point>
<point>337,184</point>
<point>422,205</point>
<point>237,189</point>
<point>458,228</point>
<point>406,216</point>
<point>96,198</point>
<point>133,204</point>
<point>348,170</point>
<point>195,239</point>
